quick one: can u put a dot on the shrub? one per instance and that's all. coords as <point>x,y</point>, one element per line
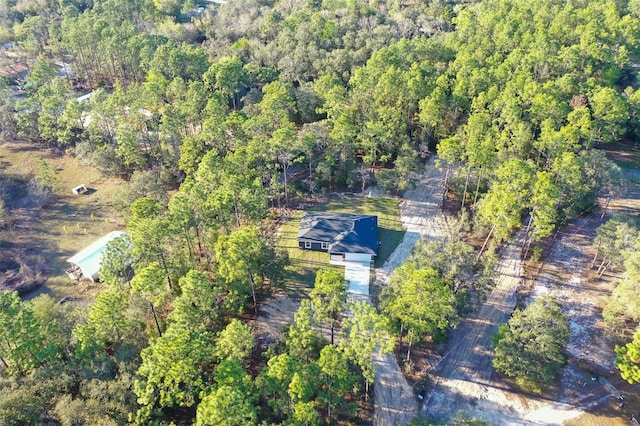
<point>530,347</point>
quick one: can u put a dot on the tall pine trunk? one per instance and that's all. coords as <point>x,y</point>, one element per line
<point>485,243</point>
<point>253,292</point>
<point>475,196</point>
<point>446,185</point>
<point>155,318</point>
<point>595,257</point>
<point>466,186</point>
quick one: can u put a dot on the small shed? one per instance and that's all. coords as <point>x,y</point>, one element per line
<point>85,98</point>
<point>87,262</point>
<point>80,189</point>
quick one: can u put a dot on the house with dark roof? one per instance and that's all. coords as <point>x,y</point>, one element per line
<point>344,236</point>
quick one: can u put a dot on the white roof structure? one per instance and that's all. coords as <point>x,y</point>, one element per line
<point>85,97</point>
<point>89,259</point>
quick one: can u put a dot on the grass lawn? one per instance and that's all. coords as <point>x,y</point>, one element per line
<point>305,263</point>
<point>625,154</point>
<point>49,235</point>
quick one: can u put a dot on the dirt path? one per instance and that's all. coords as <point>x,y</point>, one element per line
<point>420,214</point>
<point>421,217</point>
<point>464,372</point>
<point>462,380</point>
<point>565,276</point>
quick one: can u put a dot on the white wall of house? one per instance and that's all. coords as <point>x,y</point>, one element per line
<point>357,257</point>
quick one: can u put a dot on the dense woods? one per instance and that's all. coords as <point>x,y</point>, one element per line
<point>219,114</point>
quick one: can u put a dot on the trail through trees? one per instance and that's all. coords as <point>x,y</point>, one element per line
<point>420,213</point>
<point>462,380</point>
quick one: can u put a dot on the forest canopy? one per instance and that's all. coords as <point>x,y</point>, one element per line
<point>217,113</point>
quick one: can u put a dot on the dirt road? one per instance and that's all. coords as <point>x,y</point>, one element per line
<point>421,217</point>
<point>467,364</point>
<point>395,402</point>
<point>420,214</point>
<point>462,380</point>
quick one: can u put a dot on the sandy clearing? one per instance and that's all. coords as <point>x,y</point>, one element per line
<point>503,407</point>
<point>567,276</point>
<point>273,314</point>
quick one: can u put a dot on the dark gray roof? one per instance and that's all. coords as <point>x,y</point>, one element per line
<point>345,233</point>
